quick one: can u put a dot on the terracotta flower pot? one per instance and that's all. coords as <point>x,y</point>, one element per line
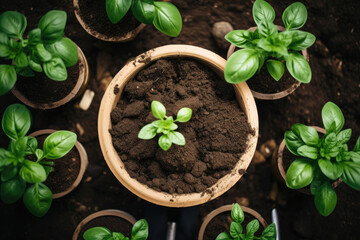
<point>277,164</point>
<point>83,162</point>
<point>110,100</point>
<point>79,88</point>
<point>278,95</point>
<point>227,208</point>
<point>104,213</point>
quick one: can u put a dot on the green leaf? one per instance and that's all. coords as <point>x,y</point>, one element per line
<point>169,121</point>
<point>252,227</point>
<point>344,136</point>
<point>8,173</point>
<point>37,199</point>
<point>15,48</point>
<point>7,78</point>
<point>184,115</point>
<point>167,19</point>
<point>64,49</point>
<point>241,65</point>
<point>34,65</point>
<point>269,233</point>
<point>158,109</point>
<point>41,53</point>
<point>237,213</point>
<point>235,230</point>
<point>55,69</point>
<point>241,38</point>
<point>267,29</point>
<point>177,138</point>
<point>263,11</point>
<point>351,174</point>
<point>32,172</point>
<point>18,147</point>
<point>298,67</point>
<point>6,158</point>
<point>300,174</point>
<point>12,190</point>
<point>143,10</point>
<point>332,115</point>
<point>119,236</point>
<point>13,24</point>
<point>308,135</point>
<point>223,236</point>
<point>357,145</point>
<point>16,121</point>
<point>275,68</point>
<point>58,144</point>
<point>294,16</point>
<point>293,142</point>
<point>117,9</point>
<point>308,151</point>
<point>301,40</point>
<point>331,170</point>
<point>140,230</point>
<point>97,233</point>
<point>21,60</point>
<point>5,50</point>
<point>147,132</point>
<point>34,36</point>
<point>25,72</point>
<point>325,199</point>
<point>39,154</point>
<point>274,48</point>
<point>31,145</point>
<point>165,142</point>
<point>354,156</point>
<point>330,140</point>
<point>52,26</point>
<point>173,127</point>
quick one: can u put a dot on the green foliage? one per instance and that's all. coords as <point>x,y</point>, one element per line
<point>139,232</point>
<point>236,229</point>
<point>324,159</point>
<point>267,44</point>
<point>165,125</point>
<point>163,15</point>
<point>17,170</point>
<point>45,48</point>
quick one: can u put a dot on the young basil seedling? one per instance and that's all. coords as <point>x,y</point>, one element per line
<point>267,45</point>
<point>165,126</point>
<point>44,49</point>
<point>17,170</point>
<point>236,230</point>
<point>163,15</point>
<point>139,232</point>
<point>322,160</point>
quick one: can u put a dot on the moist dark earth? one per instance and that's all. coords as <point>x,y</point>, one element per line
<point>334,60</point>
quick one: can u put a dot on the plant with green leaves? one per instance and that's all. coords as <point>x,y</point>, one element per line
<point>166,126</point>
<point>163,15</point>
<point>45,49</point>
<point>323,160</point>
<point>18,170</point>
<point>139,232</point>
<point>266,45</point>
<point>236,229</point>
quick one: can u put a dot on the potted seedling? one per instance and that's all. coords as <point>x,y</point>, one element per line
<point>265,45</point>
<point>320,162</point>
<point>47,69</point>
<point>24,166</point>
<point>122,20</point>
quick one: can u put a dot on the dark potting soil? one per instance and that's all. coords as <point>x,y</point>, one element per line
<point>216,136</point>
<point>114,224</point>
<point>94,14</point>
<point>40,89</point>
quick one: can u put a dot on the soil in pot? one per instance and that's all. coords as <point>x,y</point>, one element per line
<point>94,15</point>
<point>216,136</point>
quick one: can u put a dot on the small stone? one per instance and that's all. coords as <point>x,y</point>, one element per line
<point>81,208</point>
<point>87,99</point>
<point>258,158</point>
<point>219,30</point>
<point>96,208</point>
<point>88,179</point>
<point>243,201</point>
<point>268,148</point>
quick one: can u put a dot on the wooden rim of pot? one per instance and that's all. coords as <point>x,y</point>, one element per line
<point>110,212</point>
<point>83,162</point>
<point>128,37</point>
<point>227,208</point>
<point>110,99</point>
<point>79,88</point>
<point>272,96</point>
<point>278,167</point>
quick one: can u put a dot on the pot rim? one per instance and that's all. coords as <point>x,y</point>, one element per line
<point>278,95</point>
<point>83,162</point>
<point>109,212</point>
<point>79,88</point>
<point>128,37</point>
<point>110,100</point>
<point>227,208</point>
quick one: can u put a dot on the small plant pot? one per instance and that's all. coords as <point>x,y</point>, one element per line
<point>83,158</point>
<point>277,164</point>
<point>227,208</point>
<point>79,88</point>
<point>111,98</point>
<point>111,219</point>
<point>278,95</point>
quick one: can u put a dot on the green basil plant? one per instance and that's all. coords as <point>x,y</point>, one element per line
<point>165,126</point>
<point>45,48</point>
<point>163,15</point>
<point>237,231</point>
<point>323,160</point>
<point>20,176</point>
<point>266,45</point>
<point>139,232</point>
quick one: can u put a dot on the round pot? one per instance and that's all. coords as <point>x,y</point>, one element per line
<point>111,212</point>
<point>128,37</point>
<point>272,96</point>
<point>110,100</point>
<point>277,164</point>
<point>83,164</point>
<point>79,88</point>
<point>227,208</point>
